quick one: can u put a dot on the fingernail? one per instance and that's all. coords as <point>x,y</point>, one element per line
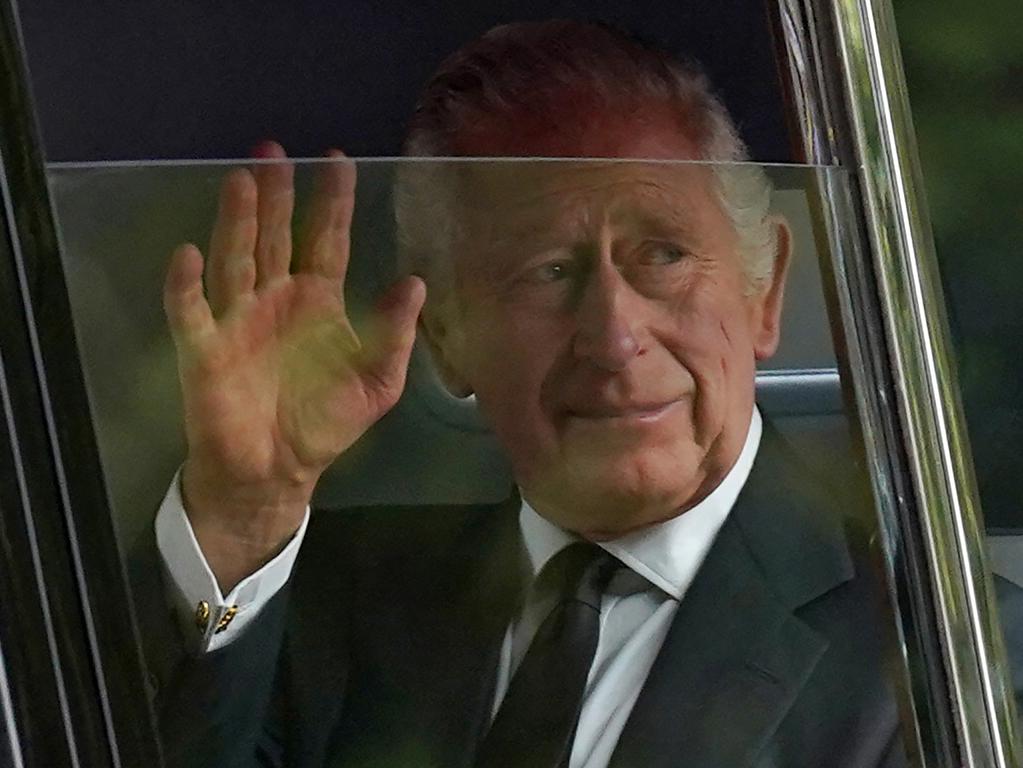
<point>267,148</point>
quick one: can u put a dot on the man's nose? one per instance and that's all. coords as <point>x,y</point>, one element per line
<point>607,317</point>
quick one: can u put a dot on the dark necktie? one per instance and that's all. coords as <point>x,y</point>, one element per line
<point>535,724</point>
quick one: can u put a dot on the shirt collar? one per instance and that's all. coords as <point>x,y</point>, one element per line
<point>667,554</point>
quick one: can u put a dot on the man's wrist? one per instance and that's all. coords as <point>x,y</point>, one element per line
<point>209,616</point>
<point>241,527</point>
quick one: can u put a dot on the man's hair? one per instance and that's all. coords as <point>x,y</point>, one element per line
<point>527,69</point>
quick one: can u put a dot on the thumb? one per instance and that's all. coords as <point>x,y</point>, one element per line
<point>392,331</point>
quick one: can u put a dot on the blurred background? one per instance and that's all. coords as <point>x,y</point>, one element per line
<point>964,67</point>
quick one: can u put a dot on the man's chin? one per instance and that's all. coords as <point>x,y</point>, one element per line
<point>601,507</point>
<point>612,522</point>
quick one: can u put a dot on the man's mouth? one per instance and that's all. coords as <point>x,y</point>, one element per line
<point>642,412</point>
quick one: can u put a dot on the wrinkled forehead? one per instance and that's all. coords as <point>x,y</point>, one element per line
<point>504,198</point>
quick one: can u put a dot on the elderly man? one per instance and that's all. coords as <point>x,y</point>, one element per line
<point>667,587</point>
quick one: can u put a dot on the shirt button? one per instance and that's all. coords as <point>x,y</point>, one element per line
<point>225,620</point>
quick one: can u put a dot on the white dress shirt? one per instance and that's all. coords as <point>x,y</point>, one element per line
<point>636,609</point>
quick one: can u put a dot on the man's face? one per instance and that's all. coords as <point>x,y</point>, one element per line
<point>608,330</point>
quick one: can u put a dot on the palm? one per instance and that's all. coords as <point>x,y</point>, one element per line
<point>276,382</point>
<point>279,389</point>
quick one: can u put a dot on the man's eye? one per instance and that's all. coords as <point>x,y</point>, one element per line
<point>662,254</point>
<point>550,272</point>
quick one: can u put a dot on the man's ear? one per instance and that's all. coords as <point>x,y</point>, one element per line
<point>770,297</point>
<point>446,342</point>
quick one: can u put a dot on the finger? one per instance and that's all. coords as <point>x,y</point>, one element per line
<point>385,355</point>
<point>188,314</point>
<point>275,180</point>
<point>326,233</point>
<point>231,271</point>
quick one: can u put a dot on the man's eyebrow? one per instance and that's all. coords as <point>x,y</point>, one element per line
<point>536,224</point>
<point>661,210</point>
<point>669,223</point>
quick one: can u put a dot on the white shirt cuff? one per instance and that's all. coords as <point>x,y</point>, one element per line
<point>208,618</point>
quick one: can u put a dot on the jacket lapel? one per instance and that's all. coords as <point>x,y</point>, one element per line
<point>461,643</point>
<point>736,657</point>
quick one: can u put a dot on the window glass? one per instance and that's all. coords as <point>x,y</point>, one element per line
<point>594,337</point>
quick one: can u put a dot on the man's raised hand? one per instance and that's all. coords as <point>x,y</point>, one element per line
<point>276,383</point>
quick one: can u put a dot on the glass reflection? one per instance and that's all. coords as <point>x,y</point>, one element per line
<point>587,337</point>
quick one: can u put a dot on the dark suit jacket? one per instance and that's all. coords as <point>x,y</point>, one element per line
<point>383,649</point>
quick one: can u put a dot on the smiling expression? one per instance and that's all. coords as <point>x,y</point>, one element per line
<point>608,329</point>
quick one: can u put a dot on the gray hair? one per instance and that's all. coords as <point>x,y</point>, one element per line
<point>526,69</point>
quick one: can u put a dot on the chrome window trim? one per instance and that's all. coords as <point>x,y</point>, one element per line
<point>916,417</point>
<point>78,696</point>
<point>926,381</point>
<point>10,727</point>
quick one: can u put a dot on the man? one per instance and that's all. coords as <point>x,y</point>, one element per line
<point>608,317</point>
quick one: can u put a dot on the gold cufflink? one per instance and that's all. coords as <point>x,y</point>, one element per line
<point>225,619</point>
<point>202,615</point>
